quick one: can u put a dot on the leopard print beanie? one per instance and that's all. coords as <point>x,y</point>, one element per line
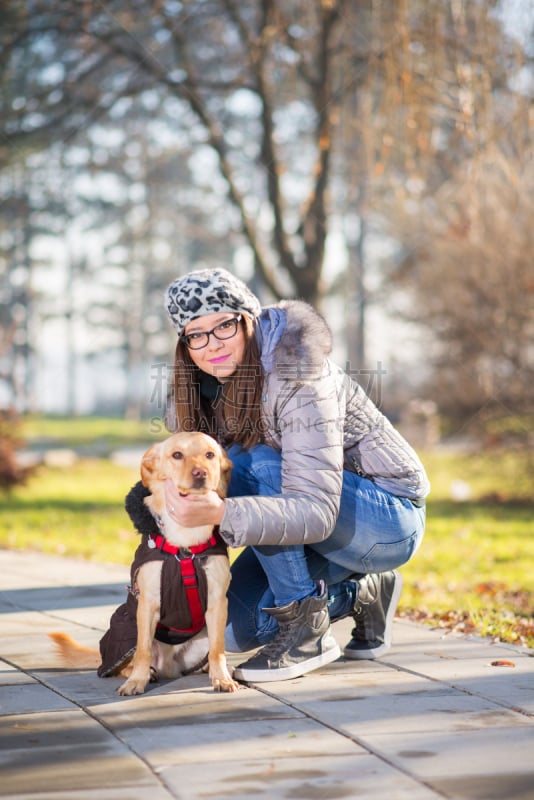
<point>205,292</point>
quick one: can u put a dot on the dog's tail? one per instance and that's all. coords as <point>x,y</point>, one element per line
<point>74,654</point>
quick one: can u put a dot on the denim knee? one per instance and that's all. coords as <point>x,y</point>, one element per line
<point>255,472</point>
<point>248,628</point>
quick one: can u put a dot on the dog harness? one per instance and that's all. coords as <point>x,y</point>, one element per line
<point>183,598</point>
<point>185,557</point>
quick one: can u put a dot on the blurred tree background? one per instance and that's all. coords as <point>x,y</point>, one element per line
<point>370,157</point>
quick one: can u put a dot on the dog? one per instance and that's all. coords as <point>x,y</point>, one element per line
<point>196,464</point>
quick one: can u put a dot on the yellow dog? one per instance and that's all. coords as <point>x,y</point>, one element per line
<point>195,463</point>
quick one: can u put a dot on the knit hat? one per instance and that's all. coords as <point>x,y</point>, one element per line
<point>206,292</point>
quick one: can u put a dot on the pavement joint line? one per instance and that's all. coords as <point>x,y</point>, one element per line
<point>49,614</point>
<point>96,719</point>
<point>469,692</point>
<point>70,621</point>
<point>390,762</point>
<point>59,618</point>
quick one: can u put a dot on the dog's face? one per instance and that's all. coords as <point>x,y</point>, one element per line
<point>194,462</point>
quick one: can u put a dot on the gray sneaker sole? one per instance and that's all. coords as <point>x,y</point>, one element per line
<point>285,673</point>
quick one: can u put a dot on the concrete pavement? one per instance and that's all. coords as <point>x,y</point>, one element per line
<point>435,718</point>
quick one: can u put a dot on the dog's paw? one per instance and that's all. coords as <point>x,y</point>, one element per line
<point>226,684</point>
<point>132,686</point>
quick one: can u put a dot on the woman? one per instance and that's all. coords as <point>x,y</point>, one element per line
<point>325,494</point>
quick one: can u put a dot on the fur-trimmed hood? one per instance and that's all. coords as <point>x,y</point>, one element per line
<point>138,512</point>
<point>294,340</point>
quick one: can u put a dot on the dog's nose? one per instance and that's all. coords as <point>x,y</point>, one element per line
<point>198,472</point>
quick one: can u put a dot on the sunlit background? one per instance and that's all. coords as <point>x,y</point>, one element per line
<point>371,158</point>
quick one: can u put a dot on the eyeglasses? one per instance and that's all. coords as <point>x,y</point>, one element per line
<point>224,330</point>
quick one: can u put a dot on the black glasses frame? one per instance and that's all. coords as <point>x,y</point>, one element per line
<point>191,340</point>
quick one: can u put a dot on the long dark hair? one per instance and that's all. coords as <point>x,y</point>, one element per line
<point>233,415</point>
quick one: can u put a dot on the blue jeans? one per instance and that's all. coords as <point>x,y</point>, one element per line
<point>375,532</point>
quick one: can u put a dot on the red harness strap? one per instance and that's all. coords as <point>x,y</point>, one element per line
<point>189,579</point>
<point>187,568</point>
<point>162,544</point>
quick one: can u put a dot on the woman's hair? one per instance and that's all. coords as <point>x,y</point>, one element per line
<point>233,416</point>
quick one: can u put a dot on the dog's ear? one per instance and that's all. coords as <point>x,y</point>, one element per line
<point>149,464</point>
<point>226,469</point>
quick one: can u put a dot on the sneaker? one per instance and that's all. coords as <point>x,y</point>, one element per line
<point>374,610</point>
<point>303,643</point>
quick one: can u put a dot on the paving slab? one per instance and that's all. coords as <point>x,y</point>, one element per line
<point>330,775</point>
<point>499,671</point>
<point>432,719</point>
<point>365,703</point>
<point>67,751</point>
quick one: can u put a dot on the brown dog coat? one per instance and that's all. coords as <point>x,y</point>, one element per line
<point>118,644</point>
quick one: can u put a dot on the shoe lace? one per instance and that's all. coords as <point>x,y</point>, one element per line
<point>280,643</point>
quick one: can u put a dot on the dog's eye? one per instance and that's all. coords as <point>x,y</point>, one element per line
<point>210,454</point>
<point>178,455</point>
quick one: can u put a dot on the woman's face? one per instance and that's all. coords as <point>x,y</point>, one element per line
<point>220,357</point>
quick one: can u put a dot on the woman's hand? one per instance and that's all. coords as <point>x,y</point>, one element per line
<point>193,509</point>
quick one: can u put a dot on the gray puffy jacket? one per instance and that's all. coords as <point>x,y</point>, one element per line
<point>322,422</point>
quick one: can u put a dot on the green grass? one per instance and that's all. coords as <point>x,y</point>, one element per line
<point>473,572</point>
<point>77,511</point>
<point>88,431</point>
